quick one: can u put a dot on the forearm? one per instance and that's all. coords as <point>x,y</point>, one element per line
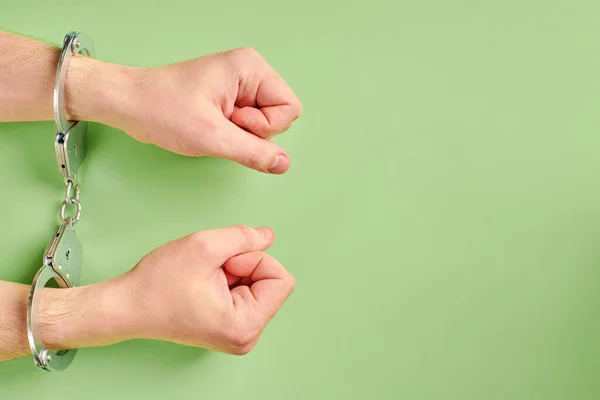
<point>27,69</point>
<point>94,90</point>
<point>87,316</point>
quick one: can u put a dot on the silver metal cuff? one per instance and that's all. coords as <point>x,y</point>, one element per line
<point>62,262</point>
<point>74,43</point>
<point>44,358</point>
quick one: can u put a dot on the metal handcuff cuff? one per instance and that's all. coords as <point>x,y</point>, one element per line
<point>63,256</point>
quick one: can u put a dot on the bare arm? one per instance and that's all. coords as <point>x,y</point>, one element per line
<point>226,105</point>
<point>85,316</point>
<point>27,72</point>
<point>26,78</point>
<point>220,293</point>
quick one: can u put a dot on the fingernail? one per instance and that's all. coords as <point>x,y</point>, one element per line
<point>280,164</point>
<point>265,232</point>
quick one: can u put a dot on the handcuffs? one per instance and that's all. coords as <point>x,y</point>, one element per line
<point>63,256</point>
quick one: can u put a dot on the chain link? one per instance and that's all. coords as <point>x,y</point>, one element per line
<point>68,191</point>
<point>71,201</point>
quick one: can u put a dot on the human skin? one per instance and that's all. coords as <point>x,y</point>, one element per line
<point>226,105</point>
<point>213,289</point>
<point>226,288</point>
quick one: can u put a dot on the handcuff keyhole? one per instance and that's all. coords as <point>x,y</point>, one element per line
<point>68,254</point>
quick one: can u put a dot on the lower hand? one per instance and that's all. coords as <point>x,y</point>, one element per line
<point>213,289</point>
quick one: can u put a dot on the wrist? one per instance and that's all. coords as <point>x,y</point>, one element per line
<point>87,316</point>
<point>102,92</point>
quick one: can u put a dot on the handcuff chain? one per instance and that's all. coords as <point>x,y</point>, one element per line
<point>63,257</point>
<point>71,201</point>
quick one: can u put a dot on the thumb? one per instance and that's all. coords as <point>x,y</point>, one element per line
<point>251,151</point>
<point>225,243</point>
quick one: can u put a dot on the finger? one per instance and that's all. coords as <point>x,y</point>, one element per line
<point>267,106</point>
<point>232,280</point>
<point>265,122</point>
<point>267,103</point>
<point>249,150</point>
<point>242,281</point>
<point>271,286</point>
<point>225,243</point>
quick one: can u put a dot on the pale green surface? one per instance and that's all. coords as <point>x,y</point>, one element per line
<point>442,213</point>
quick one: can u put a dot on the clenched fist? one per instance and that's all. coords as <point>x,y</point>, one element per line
<point>213,289</point>
<point>225,105</point>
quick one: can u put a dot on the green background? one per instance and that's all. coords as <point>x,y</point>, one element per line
<point>441,216</point>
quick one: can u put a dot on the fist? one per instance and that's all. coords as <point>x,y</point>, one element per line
<point>214,289</point>
<point>225,105</point>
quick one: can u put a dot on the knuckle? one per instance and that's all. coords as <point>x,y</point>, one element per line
<point>241,338</point>
<point>246,232</point>
<point>242,351</point>
<point>200,245</point>
<point>297,108</point>
<point>242,55</point>
<point>246,51</point>
<point>255,160</point>
<point>256,164</point>
<point>292,282</point>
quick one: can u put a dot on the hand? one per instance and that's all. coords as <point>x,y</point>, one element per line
<point>225,105</point>
<point>214,289</point>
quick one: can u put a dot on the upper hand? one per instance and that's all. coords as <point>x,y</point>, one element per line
<point>225,105</point>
